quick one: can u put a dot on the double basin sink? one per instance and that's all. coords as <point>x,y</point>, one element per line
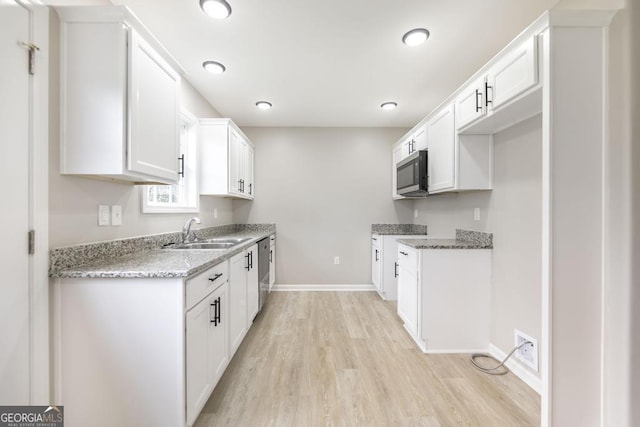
<point>214,243</point>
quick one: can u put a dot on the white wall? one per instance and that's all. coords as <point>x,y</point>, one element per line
<point>73,201</point>
<point>323,188</point>
<point>512,212</point>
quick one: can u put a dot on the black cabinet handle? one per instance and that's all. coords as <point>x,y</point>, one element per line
<point>215,277</point>
<point>181,169</point>
<point>373,238</point>
<point>478,104</point>
<point>403,253</point>
<point>248,256</point>
<point>215,313</point>
<point>250,189</point>
<point>395,269</point>
<point>219,311</point>
<point>486,94</point>
<point>377,255</point>
<point>271,256</point>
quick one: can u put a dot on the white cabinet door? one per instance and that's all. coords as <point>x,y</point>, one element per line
<point>376,264</point>
<point>154,102</point>
<point>514,74</point>
<point>218,353</point>
<point>420,139</point>
<point>253,285</point>
<point>248,171</point>
<point>199,385</point>
<point>408,297</point>
<point>236,162</point>
<point>442,150</point>
<point>471,103</point>
<point>272,263</point>
<point>237,301</point>
<point>397,156</point>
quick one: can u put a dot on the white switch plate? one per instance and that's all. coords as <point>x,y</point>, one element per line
<point>103,214</point>
<point>215,213</point>
<point>476,214</point>
<point>116,215</point>
<point>336,260</point>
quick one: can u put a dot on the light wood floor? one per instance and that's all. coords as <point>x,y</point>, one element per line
<point>344,359</point>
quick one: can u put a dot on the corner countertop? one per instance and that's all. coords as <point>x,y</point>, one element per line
<point>155,262</point>
<point>465,239</point>
<point>398,229</point>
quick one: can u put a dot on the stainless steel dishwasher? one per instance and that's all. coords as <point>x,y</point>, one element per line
<point>263,270</point>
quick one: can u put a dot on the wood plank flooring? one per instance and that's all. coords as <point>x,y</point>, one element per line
<point>344,359</point>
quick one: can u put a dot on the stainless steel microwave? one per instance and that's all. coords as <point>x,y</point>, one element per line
<point>412,175</point>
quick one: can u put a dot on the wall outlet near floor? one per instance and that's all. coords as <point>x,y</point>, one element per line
<point>415,213</point>
<point>476,214</point>
<point>104,214</point>
<point>215,213</point>
<point>528,353</point>
<point>336,260</point>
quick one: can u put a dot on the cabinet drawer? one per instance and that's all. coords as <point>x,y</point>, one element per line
<point>206,282</point>
<point>407,257</point>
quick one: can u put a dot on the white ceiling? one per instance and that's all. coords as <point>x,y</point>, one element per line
<point>333,62</point>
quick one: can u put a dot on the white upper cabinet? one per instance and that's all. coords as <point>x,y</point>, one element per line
<point>508,79</point>
<point>471,103</point>
<point>513,74</point>
<point>226,160</point>
<point>120,98</point>
<point>441,161</point>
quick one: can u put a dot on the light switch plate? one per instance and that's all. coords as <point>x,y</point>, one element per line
<point>103,215</point>
<point>116,215</point>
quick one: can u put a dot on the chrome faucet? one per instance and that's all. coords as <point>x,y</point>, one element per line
<point>186,230</point>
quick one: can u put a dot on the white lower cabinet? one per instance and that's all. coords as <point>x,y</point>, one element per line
<point>272,263</point>
<point>238,300</point>
<point>444,298</point>
<point>163,342</point>
<point>408,291</point>
<point>384,263</point>
<point>207,349</point>
<point>253,284</point>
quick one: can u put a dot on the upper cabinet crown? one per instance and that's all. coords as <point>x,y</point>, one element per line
<point>226,160</point>
<point>120,98</point>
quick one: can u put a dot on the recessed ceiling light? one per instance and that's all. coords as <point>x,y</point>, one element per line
<point>214,67</point>
<point>415,37</point>
<point>264,105</point>
<point>388,105</point>
<point>218,9</point>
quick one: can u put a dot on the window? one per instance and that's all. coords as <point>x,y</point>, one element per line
<point>182,197</point>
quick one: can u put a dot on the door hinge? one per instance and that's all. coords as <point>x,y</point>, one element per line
<point>32,56</point>
<point>32,242</point>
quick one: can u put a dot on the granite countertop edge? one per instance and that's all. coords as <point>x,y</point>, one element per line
<point>161,263</point>
<point>465,239</point>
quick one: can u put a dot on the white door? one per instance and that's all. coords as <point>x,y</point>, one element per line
<point>199,385</point>
<point>237,301</point>
<point>15,212</point>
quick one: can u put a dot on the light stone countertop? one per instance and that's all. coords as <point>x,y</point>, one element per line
<point>465,239</point>
<point>161,263</point>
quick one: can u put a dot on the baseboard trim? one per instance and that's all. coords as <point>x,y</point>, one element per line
<point>518,369</point>
<point>320,287</point>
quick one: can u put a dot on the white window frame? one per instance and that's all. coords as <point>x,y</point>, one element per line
<point>189,183</point>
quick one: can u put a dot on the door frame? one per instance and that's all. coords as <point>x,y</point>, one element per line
<point>39,341</point>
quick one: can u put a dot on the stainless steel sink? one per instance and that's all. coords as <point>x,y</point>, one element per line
<point>232,240</point>
<point>202,245</point>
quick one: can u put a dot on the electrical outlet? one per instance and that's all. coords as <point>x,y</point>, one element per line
<point>336,260</point>
<point>116,215</point>
<point>215,213</point>
<point>476,214</point>
<point>415,213</point>
<point>104,214</point>
<point>528,353</point>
